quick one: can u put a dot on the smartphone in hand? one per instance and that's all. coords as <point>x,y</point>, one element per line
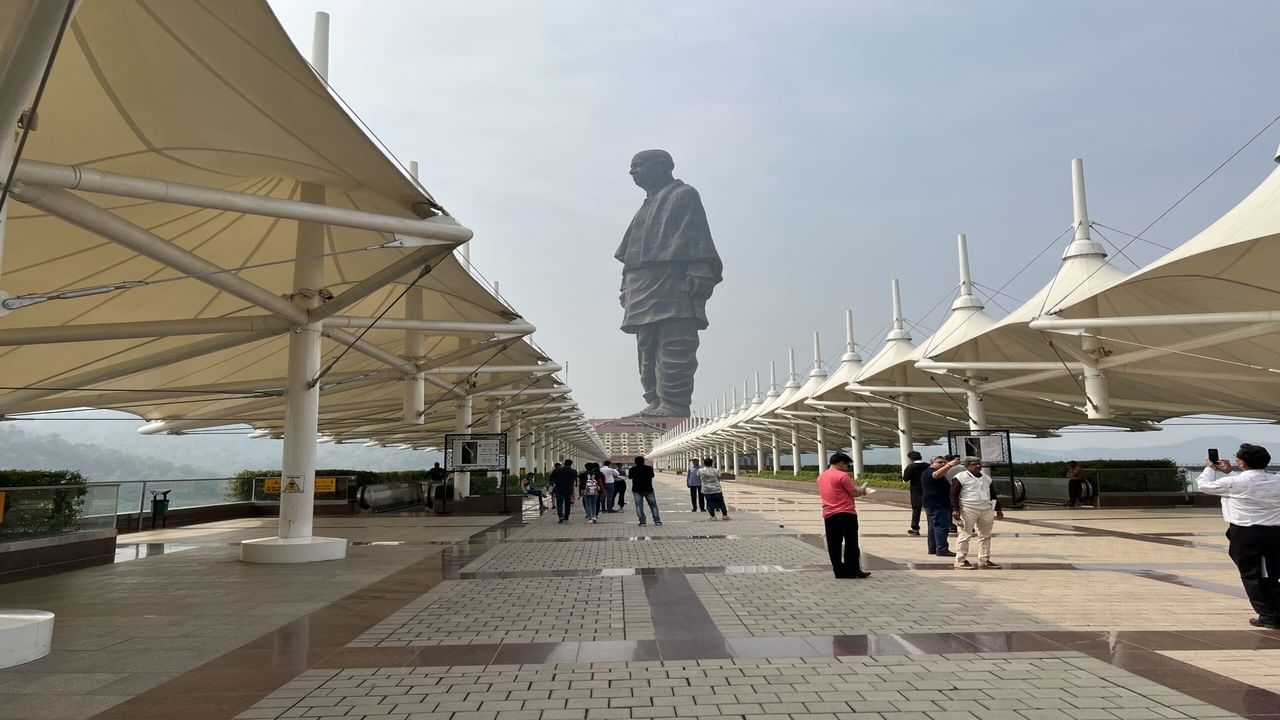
<point>1213,455</point>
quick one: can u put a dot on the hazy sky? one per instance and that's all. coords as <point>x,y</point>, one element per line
<point>836,145</point>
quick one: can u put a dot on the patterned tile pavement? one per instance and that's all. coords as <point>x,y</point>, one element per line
<point>779,604</point>
<point>1016,686</point>
<point>690,552</point>
<point>526,610</point>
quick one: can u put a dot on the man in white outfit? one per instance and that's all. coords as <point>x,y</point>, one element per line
<point>1251,507</point>
<point>610,477</point>
<point>975,507</point>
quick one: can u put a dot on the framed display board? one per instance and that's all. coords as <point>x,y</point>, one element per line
<point>990,445</point>
<point>464,452</point>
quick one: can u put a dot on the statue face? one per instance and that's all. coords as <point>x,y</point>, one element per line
<point>651,169</point>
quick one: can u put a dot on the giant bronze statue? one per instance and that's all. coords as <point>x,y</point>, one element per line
<point>669,268</point>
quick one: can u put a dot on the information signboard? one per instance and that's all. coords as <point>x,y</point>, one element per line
<point>992,446</point>
<point>465,452</point>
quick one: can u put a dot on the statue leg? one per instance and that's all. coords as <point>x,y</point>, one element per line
<point>677,363</point>
<point>647,344</point>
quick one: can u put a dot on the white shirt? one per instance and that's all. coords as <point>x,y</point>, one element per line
<point>609,475</point>
<point>1251,497</point>
<point>975,490</point>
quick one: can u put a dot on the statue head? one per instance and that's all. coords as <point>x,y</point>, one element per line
<point>651,169</point>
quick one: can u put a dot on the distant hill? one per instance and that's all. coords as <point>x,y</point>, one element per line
<point>35,451</point>
<point>165,457</point>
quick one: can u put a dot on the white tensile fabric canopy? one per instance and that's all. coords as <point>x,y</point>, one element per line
<point>1203,321</point>
<point>149,252</point>
<point>1194,332</point>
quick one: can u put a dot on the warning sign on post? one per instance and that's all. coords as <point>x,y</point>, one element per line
<point>271,485</point>
<point>292,484</point>
<point>326,484</point>
<point>464,452</point>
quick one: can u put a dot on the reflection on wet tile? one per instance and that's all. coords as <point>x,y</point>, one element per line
<point>693,649</point>
<point>1009,642</point>
<point>618,651</point>
<point>446,655</point>
<point>772,647</point>
<point>368,657</point>
<point>561,652</point>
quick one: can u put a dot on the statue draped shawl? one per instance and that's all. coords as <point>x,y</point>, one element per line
<point>668,241</point>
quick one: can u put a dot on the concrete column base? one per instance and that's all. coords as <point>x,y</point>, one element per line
<point>293,550</point>
<point>25,635</point>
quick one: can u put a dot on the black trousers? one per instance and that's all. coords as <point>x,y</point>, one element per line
<point>917,504</point>
<point>1255,549</point>
<point>842,543</point>
<point>697,500</point>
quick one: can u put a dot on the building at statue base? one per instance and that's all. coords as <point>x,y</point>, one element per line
<point>625,438</point>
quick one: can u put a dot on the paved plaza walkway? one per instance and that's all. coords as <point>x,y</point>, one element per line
<point>1097,614</point>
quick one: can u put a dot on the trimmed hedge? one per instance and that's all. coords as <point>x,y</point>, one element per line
<point>41,512</point>
<point>874,479</point>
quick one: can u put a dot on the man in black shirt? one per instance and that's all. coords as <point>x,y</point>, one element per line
<point>911,475</point>
<point>436,473</point>
<point>563,482</point>
<point>641,477</point>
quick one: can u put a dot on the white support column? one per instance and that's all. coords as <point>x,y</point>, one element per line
<point>1097,392</point>
<point>904,416</point>
<point>795,452</point>
<point>904,432</point>
<point>822,443</point>
<point>302,396</point>
<point>855,445</point>
<point>759,454</point>
<point>415,350</point>
<point>734,449</point>
<point>495,426</point>
<point>968,301</point>
<point>776,449</point>
<point>514,445</point>
<point>462,424</point>
<point>544,467</point>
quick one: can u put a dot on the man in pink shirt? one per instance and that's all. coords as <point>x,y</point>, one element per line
<point>840,516</point>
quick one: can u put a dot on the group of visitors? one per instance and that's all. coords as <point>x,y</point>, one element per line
<point>706,494</point>
<point>600,486</point>
<point>956,497</point>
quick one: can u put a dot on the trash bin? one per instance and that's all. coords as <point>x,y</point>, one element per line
<point>159,507</point>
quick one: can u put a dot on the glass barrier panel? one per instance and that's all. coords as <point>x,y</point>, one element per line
<point>30,512</point>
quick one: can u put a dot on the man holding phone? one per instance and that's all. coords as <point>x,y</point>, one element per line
<point>1251,507</point>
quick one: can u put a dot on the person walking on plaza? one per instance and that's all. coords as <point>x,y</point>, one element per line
<point>694,480</point>
<point>591,487</point>
<point>935,498</point>
<point>911,475</point>
<point>840,517</point>
<point>711,489</point>
<point>641,477</point>
<point>610,481</point>
<point>976,507</point>
<point>563,480</point>
<point>1075,483</point>
<point>620,487</point>
<point>1251,507</point>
